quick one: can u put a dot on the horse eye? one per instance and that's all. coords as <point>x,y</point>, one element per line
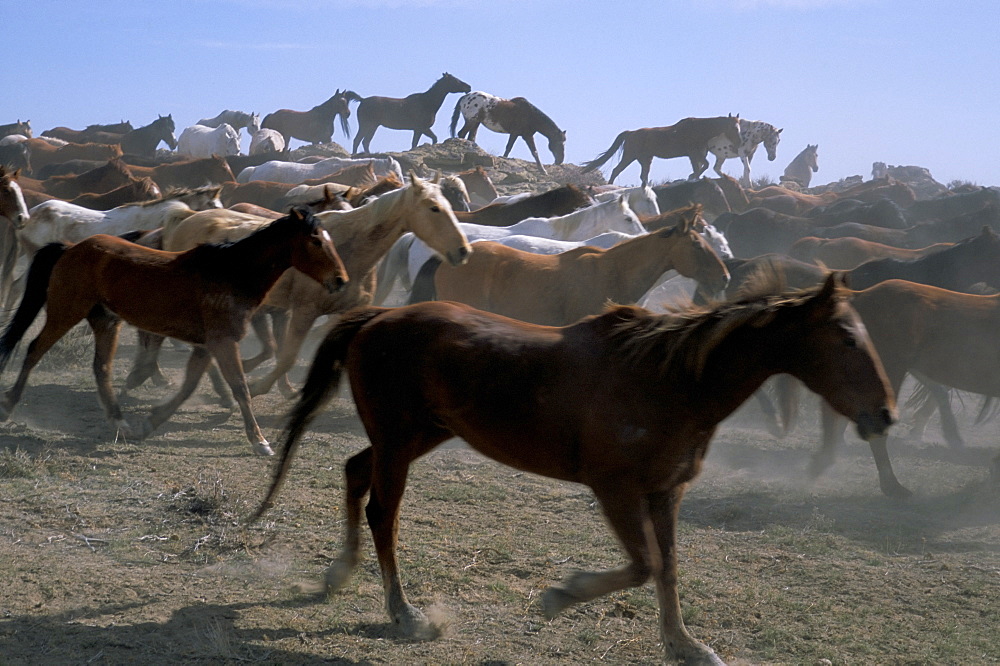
<point>435,209</point>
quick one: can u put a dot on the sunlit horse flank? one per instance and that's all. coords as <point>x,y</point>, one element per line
<point>686,138</point>
<point>754,132</point>
<point>640,397</point>
<point>414,112</point>
<point>517,117</point>
<point>204,297</point>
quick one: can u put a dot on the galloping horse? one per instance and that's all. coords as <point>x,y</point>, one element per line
<point>236,119</point>
<point>143,141</point>
<point>801,169</point>
<point>316,124</point>
<point>204,297</point>
<point>517,117</point>
<point>625,403</point>
<point>558,289</point>
<point>754,132</point>
<point>414,112</point>
<point>686,138</point>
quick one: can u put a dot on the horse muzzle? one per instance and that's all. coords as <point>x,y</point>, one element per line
<point>336,284</point>
<point>459,256</point>
<point>875,424</point>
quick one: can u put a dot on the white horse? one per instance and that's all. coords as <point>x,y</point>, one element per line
<point>60,221</point>
<point>203,141</point>
<point>752,133</point>
<point>278,171</point>
<point>266,141</point>
<point>408,255</point>
<point>11,139</point>
<point>235,119</point>
<point>641,198</point>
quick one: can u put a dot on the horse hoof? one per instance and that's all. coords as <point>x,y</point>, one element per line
<point>258,388</point>
<point>336,576</point>
<point>414,625</point>
<point>146,428</point>
<point>555,600</point>
<point>263,448</point>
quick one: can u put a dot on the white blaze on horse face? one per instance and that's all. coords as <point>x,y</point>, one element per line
<point>326,236</point>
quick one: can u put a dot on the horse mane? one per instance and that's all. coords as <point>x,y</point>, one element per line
<point>687,335</point>
<point>178,192</point>
<point>673,217</point>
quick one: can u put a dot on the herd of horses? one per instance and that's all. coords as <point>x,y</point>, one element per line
<point>594,335</point>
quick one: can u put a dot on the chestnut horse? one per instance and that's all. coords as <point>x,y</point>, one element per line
<point>204,296</point>
<point>846,253</point>
<point>686,138</point>
<point>557,289</point>
<point>414,112</point>
<point>315,125</point>
<point>517,117</point>
<point>111,133</point>
<point>625,403</point>
<point>143,141</point>
<point>199,172</point>
<point>136,190</point>
<point>945,336</point>
<point>98,180</point>
<point>44,153</point>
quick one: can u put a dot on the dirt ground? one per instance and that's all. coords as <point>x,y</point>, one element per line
<point>118,551</point>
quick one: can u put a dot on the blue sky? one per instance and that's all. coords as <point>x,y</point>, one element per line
<point>868,80</point>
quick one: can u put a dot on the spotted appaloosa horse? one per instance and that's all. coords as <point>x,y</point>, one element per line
<point>754,132</point>
<point>517,117</point>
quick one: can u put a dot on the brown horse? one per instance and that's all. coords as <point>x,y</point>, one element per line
<point>264,193</point>
<point>561,200</point>
<point>212,170</point>
<point>480,187</point>
<point>686,138</point>
<point>556,289</point>
<point>135,190</point>
<point>703,191</point>
<point>517,117</point>
<point>358,175</point>
<point>315,125</point>
<point>625,403</point>
<point>92,133</point>
<point>99,180</point>
<point>143,141</point>
<point>414,112</point>
<point>846,253</point>
<point>945,336</point>
<point>204,296</point>
<point>44,153</point>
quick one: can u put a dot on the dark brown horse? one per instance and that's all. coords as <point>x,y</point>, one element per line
<point>945,336</point>
<point>143,141</point>
<point>625,403</point>
<point>561,200</point>
<point>204,296</point>
<point>315,125</point>
<point>135,190</point>
<point>557,289</point>
<point>111,133</point>
<point>414,112</point>
<point>199,172</point>
<point>686,138</point>
<point>517,117</point>
<point>108,176</point>
<point>702,191</point>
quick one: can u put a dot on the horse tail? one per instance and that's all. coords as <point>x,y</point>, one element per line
<point>423,284</point>
<point>455,115</point>
<point>321,384</point>
<point>616,147</point>
<point>35,294</point>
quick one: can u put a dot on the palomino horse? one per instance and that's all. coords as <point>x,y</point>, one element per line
<point>203,141</point>
<point>801,169</point>
<point>204,297</point>
<point>315,125</point>
<point>143,141</point>
<point>625,403</point>
<point>236,119</point>
<point>558,289</point>
<point>265,141</point>
<point>517,117</point>
<point>687,138</point>
<point>945,336</point>
<point>363,236</point>
<point>414,112</point>
<point>754,132</point>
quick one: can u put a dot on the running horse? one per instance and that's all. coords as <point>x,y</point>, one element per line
<point>686,138</point>
<point>801,169</point>
<point>754,132</point>
<point>14,211</point>
<point>315,125</point>
<point>143,141</point>
<point>204,297</point>
<point>625,402</point>
<point>414,112</point>
<point>517,117</point>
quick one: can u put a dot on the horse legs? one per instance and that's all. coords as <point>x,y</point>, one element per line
<point>227,355</point>
<point>145,365</point>
<point>942,400</point>
<point>106,327</point>
<point>261,327</point>
<point>645,164</point>
<point>417,133</point>
<point>530,140</point>
<point>719,159</point>
<point>298,328</point>
<point>196,365</point>
<point>745,180</point>
<point>357,483</point>
<point>699,163</point>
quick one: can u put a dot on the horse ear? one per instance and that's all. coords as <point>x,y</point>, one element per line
<point>779,131</point>
<point>414,179</point>
<point>437,177</point>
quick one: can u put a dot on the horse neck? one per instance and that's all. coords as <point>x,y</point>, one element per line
<point>434,96</point>
<point>364,235</point>
<point>546,126</point>
<point>630,268</point>
<point>254,264</point>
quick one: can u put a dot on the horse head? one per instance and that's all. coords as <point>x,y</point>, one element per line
<point>813,156</point>
<point>771,143</point>
<point>557,146</point>
<point>453,84</point>
<point>434,221</point>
